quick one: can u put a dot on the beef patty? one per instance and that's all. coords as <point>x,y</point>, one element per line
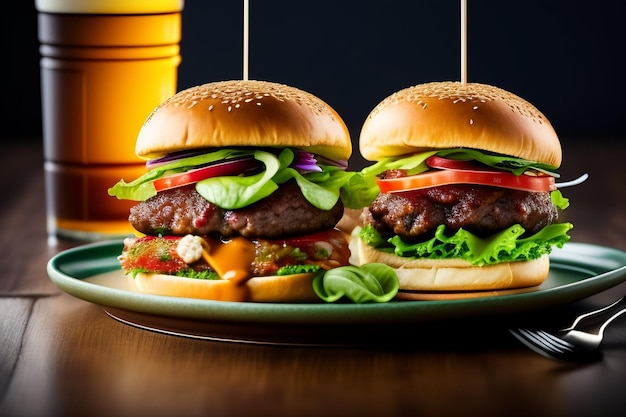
<point>415,215</point>
<point>182,211</point>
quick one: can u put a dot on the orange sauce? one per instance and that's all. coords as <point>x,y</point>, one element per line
<point>231,260</point>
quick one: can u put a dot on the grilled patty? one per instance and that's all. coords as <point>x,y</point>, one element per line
<point>182,211</point>
<point>415,215</point>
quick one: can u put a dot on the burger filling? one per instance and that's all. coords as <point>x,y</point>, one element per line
<point>310,253</point>
<point>289,234</point>
<point>464,203</point>
<point>482,210</point>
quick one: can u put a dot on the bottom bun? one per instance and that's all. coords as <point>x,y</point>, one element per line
<point>272,289</point>
<point>457,274</point>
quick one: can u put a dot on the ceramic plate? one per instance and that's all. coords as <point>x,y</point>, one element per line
<point>92,273</point>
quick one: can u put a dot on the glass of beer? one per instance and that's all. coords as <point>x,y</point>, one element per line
<point>105,65</point>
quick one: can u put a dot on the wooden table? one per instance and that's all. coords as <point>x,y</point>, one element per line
<point>62,356</point>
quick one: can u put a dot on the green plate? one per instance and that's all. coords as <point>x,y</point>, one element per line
<point>92,273</point>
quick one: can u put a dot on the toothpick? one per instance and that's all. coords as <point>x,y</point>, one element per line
<point>246,34</point>
<point>463,41</point>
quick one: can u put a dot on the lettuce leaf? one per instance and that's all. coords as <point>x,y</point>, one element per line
<point>507,163</point>
<point>374,282</point>
<point>505,246</point>
<point>558,200</point>
<point>234,192</point>
<point>362,189</point>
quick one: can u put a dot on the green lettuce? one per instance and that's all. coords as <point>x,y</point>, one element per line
<point>507,163</point>
<point>234,192</point>
<point>504,246</point>
<point>416,163</point>
<point>142,188</point>
<point>322,189</point>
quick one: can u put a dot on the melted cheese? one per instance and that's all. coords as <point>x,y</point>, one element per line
<point>231,259</point>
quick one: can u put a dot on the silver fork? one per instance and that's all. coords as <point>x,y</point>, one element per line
<point>578,342</point>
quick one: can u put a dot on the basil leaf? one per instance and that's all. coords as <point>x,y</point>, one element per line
<point>368,283</point>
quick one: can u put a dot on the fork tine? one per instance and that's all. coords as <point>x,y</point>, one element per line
<point>534,343</point>
<point>551,346</point>
<point>542,341</point>
<point>558,343</point>
<point>530,336</point>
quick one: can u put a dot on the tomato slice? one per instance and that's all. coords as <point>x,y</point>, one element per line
<point>446,163</point>
<point>228,167</point>
<point>456,176</point>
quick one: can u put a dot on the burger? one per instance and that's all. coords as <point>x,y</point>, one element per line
<point>244,186</point>
<point>467,198</point>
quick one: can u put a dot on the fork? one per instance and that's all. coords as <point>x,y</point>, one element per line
<point>578,342</point>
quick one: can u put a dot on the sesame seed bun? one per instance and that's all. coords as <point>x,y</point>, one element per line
<point>244,113</point>
<point>443,115</point>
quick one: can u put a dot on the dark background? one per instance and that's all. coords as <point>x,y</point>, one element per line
<point>561,55</point>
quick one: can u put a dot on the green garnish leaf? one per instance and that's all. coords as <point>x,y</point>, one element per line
<point>368,283</point>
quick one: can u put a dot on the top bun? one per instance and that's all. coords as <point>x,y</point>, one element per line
<point>244,113</point>
<point>442,115</point>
